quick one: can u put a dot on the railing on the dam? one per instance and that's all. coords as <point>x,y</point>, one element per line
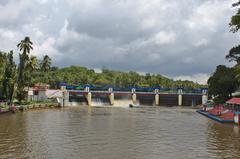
<point>135,95</point>
<point>135,88</point>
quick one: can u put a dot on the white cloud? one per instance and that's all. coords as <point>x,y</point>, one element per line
<point>6,33</point>
<point>48,47</point>
<point>164,38</point>
<point>201,42</point>
<point>42,1</point>
<point>199,78</point>
<point>8,39</point>
<point>149,23</point>
<point>207,15</point>
<point>171,37</point>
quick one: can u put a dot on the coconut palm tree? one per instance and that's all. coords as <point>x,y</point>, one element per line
<point>46,63</point>
<point>33,63</point>
<point>25,46</point>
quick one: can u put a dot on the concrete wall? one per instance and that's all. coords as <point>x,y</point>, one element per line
<point>126,98</point>
<point>192,100</point>
<point>168,99</point>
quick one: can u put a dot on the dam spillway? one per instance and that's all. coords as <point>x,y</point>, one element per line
<point>169,100</point>
<point>124,98</point>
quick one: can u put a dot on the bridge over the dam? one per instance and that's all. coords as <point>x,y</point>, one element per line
<point>113,97</point>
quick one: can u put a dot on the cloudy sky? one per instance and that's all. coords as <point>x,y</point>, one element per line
<point>180,39</point>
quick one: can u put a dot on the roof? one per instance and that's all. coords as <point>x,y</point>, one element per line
<point>54,93</point>
<point>233,101</point>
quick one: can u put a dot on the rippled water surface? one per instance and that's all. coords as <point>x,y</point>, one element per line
<point>116,133</point>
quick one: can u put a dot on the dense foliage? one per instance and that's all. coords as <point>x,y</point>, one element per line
<point>14,80</point>
<point>76,75</point>
<point>235,20</point>
<point>234,53</point>
<point>222,84</point>
<point>7,75</point>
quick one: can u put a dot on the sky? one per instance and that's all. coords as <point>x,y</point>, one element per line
<point>179,39</point>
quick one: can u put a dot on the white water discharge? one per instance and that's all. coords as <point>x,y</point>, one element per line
<point>99,101</point>
<point>118,101</point>
<point>78,103</point>
<point>81,100</point>
<point>122,102</point>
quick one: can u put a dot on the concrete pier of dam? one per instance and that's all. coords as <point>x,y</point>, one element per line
<point>124,98</point>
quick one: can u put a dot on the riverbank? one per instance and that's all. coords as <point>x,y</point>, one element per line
<point>21,108</point>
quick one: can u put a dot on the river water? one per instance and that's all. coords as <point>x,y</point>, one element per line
<point>116,133</point>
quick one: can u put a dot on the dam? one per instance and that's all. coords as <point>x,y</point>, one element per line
<point>111,97</point>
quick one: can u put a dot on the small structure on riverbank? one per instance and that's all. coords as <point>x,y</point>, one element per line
<point>225,113</point>
<point>234,105</point>
<point>41,92</point>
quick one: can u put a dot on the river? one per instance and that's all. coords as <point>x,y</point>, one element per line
<point>116,133</point>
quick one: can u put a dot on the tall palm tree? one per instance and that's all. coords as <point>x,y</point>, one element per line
<point>25,46</point>
<point>46,63</point>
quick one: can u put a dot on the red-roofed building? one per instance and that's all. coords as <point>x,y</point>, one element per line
<point>234,101</point>
<point>233,104</point>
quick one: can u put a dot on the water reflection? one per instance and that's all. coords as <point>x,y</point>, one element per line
<point>13,133</point>
<point>223,140</point>
<point>82,132</point>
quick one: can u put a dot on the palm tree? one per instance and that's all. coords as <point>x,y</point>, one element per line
<point>33,63</point>
<point>25,46</point>
<point>46,63</point>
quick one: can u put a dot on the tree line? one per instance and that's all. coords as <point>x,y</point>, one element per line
<point>76,75</point>
<point>226,80</point>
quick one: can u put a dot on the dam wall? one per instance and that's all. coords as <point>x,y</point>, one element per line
<point>111,98</point>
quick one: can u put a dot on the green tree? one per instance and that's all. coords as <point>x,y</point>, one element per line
<point>222,84</point>
<point>9,78</point>
<point>22,81</point>
<point>234,53</point>
<point>46,63</point>
<point>25,45</point>
<point>3,58</point>
<point>33,64</point>
<point>235,19</point>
